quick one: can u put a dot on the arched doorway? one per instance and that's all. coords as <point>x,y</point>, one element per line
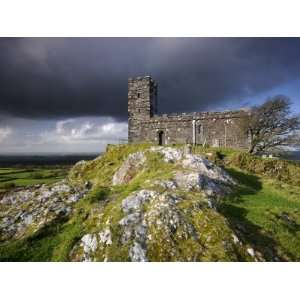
<point>161,138</point>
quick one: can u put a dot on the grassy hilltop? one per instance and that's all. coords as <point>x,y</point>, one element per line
<point>136,204</point>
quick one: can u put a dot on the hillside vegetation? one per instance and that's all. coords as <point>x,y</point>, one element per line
<point>145,203</point>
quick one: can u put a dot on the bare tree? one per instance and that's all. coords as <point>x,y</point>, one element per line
<point>271,126</point>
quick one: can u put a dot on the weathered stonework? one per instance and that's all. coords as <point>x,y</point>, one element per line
<point>219,129</point>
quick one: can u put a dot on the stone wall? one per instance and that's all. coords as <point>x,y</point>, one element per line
<point>219,129</point>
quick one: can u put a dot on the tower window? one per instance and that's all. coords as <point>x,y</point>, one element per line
<point>138,95</point>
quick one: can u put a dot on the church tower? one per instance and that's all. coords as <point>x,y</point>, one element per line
<point>142,104</point>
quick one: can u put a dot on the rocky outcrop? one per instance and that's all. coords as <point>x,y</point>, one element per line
<point>32,208</point>
<point>163,227</point>
<point>169,219</point>
<point>154,204</point>
<point>129,168</point>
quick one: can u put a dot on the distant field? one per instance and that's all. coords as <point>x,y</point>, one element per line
<point>16,177</point>
<point>26,170</point>
<point>295,155</point>
<point>8,160</point>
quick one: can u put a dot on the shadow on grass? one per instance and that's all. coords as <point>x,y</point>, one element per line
<point>40,246</point>
<point>248,182</point>
<point>288,222</point>
<point>236,215</point>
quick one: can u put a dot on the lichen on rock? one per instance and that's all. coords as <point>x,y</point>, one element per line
<point>169,219</point>
<point>129,168</point>
<point>34,207</point>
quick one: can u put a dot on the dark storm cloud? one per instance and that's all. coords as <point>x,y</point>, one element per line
<point>66,77</point>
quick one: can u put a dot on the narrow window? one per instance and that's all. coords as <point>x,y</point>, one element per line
<point>200,129</point>
<point>200,134</point>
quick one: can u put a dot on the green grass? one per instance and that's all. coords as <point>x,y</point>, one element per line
<point>265,207</point>
<point>266,213</point>
<point>53,242</point>
<point>16,177</point>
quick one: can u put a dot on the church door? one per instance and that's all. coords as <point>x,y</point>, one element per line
<point>161,138</point>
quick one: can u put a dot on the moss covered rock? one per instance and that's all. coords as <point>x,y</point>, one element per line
<point>135,203</point>
<point>162,207</point>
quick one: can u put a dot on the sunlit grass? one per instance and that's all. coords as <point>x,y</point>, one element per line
<point>269,211</point>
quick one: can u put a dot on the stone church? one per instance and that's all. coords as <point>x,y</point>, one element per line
<point>217,129</point>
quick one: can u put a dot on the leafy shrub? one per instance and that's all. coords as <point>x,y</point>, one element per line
<point>98,194</point>
<point>285,171</point>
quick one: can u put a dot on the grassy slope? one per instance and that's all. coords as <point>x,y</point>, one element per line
<point>265,211</point>
<point>266,205</point>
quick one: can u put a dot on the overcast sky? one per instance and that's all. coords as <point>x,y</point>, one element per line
<point>70,94</point>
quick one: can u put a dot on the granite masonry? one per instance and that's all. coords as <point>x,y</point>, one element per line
<point>218,129</point>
